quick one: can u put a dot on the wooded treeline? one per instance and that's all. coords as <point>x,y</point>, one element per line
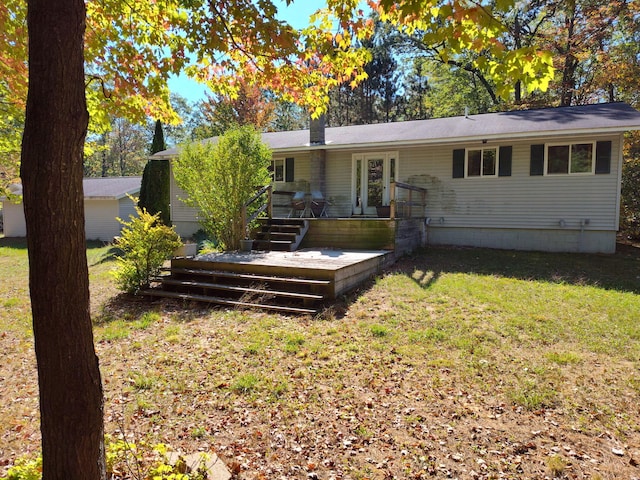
<point>595,46</point>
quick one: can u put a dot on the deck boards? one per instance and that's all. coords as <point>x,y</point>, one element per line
<point>321,259</point>
<point>343,268</point>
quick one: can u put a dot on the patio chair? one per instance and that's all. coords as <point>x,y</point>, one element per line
<point>318,204</point>
<point>298,205</point>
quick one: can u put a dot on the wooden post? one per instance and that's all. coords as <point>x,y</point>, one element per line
<point>392,200</point>
<point>243,214</point>
<point>410,203</point>
<point>270,201</point>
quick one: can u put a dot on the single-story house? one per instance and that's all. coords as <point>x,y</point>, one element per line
<point>545,179</point>
<point>104,200</point>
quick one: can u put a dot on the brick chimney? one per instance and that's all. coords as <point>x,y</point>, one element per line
<point>316,130</point>
<point>318,155</point>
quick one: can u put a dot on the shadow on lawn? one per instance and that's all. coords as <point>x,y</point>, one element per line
<point>620,271</point>
<point>18,243</point>
<point>130,308</point>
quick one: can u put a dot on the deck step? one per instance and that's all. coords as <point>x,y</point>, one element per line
<point>281,234</point>
<point>225,301</point>
<point>248,276</point>
<point>237,289</point>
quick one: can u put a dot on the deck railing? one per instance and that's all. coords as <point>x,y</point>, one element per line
<point>262,205</point>
<point>409,203</point>
<point>406,199</point>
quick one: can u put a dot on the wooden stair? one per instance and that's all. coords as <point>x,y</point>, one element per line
<point>281,234</point>
<point>284,294</point>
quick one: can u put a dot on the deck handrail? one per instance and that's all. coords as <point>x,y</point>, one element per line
<point>411,188</point>
<point>265,206</point>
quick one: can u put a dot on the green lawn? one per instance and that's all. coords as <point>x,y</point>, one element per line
<point>463,363</point>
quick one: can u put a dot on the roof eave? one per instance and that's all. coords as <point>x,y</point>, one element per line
<point>464,139</point>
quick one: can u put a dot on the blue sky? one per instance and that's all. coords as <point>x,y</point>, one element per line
<point>297,14</point>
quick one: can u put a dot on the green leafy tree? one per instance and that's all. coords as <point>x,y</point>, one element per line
<point>119,151</point>
<point>630,198</point>
<point>145,245</point>
<point>129,51</point>
<point>219,178</point>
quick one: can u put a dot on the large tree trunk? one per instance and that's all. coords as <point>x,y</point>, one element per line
<point>71,401</point>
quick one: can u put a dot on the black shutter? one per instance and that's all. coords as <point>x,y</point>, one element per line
<point>288,170</point>
<point>603,157</point>
<point>458,163</point>
<point>504,170</point>
<point>536,167</point>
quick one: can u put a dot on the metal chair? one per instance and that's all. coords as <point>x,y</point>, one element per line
<point>318,204</point>
<point>298,205</point>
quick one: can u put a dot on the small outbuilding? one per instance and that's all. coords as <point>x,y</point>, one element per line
<point>105,200</point>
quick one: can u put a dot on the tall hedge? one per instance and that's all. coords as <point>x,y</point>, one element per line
<point>154,190</point>
<point>158,145</point>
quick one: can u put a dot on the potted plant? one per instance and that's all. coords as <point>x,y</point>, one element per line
<point>246,244</point>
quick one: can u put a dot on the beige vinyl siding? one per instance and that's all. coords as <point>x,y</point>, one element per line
<point>339,181</point>
<point>301,173</point>
<point>14,223</point>
<point>100,219</point>
<point>183,217</point>
<point>126,208</point>
<point>518,201</point>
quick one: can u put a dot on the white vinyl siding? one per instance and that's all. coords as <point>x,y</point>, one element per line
<point>100,219</point>
<point>126,208</point>
<point>517,201</point>
<point>339,183</point>
<point>13,220</point>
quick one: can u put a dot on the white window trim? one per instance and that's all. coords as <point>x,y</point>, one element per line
<point>363,156</point>
<point>569,144</point>
<point>284,169</point>
<point>482,149</point>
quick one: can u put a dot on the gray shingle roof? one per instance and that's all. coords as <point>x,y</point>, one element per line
<point>102,188</point>
<point>111,187</point>
<point>603,118</point>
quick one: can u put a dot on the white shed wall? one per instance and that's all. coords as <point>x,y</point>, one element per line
<point>126,209</point>
<point>14,223</point>
<point>100,219</point>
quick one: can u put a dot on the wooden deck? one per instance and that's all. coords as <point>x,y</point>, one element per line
<point>343,269</point>
<point>297,282</point>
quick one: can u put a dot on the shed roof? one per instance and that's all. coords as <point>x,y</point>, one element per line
<point>600,118</point>
<point>103,188</point>
<point>111,187</point>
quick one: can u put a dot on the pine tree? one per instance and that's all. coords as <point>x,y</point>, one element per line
<point>158,145</point>
<point>154,190</point>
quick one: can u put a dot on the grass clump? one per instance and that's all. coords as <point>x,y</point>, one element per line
<point>563,358</point>
<point>531,395</point>
<point>245,383</point>
<point>379,331</point>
